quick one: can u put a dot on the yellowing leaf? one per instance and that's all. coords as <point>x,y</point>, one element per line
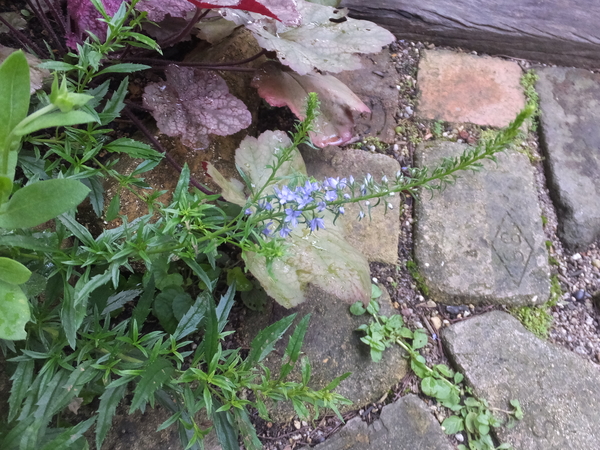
<point>232,190</point>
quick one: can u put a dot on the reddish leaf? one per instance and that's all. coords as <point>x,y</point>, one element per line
<point>285,11</point>
<point>334,125</point>
<point>158,9</point>
<point>194,103</point>
<point>85,18</point>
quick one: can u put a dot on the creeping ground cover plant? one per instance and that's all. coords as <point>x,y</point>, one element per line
<point>94,317</point>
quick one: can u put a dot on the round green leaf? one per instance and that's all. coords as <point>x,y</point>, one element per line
<point>13,272</point>
<point>14,312</point>
<point>453,425</point>
<point>357,309</point>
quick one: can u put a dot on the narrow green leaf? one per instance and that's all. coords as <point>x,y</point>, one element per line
<point>247,430</point>
<point>67,440</point>
<point>114,206</point>
<point>133,148</point>
<point>14,93</point>
<point>296,339</point>
<point>336,381</point>
<point>124,68</point>
<point>56,119</point>
<point>201,273</point>
<point>192,318</point>
<point>154,376</point>
<point>182,184</point>
<point>116,301</point>
<point>224,307</point>
<point>305,370</point>
<point>144,304</point>
<point>78,230</point>
<point>265,341</point>
<point>13,272</point>
<point>14,312</point>
<point>96,194</point>
<point>57,66</point>
<point>226,430</point>
<point>40,202</point>
<point>21,381</point>
<point>210,343</point>
<point>109,401</point>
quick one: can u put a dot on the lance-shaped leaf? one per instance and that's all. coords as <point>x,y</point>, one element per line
<point>285,11</point>
<point>326,40</point>
<point>158,9</point>
<point>194,103</point>
<point>323,258</point>
<point>338,104</point>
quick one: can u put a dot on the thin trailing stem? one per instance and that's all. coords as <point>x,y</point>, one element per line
<point>201,65</point>
<point>176,38</point>
<point>39,12</point>
<point>58,16</point>
<point>21,37</point>
<point>158,146</point>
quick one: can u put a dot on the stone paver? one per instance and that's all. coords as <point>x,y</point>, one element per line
<point>457,87</point>
<point>365,235</point>
<point>570,136</point>
<point>558,390</point>
<point>480,240</point>
<point>333,347</point>
<point>375,84</point>
<point>404,425</point>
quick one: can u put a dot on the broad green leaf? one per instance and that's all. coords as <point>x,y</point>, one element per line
<point>232,190</point>
<point>419,339</point>
<point>429,386</point>
<point>324,40</point>
<point>265,341</point>
<point>154,376</point>
<point>109,401</point>
<point>14,312</point>
<point>56,119</point>
<point>40,202</point>
<point>375,291</point>
<point>14,93</point>
<point>357,309</point>
<point>163,309</point>
<point>255,154</point>
<point>192,318</point>
<point>6,187</point>
<point>13,272</point>
<point>256,299</point>
<point>453,425</point>
<point>237,276</point>
<point>181,305</point>
<point>323,258</point>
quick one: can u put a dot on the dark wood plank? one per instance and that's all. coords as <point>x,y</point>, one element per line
<point>565,32</point>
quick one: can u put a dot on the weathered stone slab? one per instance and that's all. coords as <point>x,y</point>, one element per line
<point>333,347</point>
<point>554,31</point>
<point>404,425</point>
<point>376,239</point>
<point>458,87</point>
<point>570,132</point>
<point>558,390</point>
<point>480,240</point>
<point>375,84</point>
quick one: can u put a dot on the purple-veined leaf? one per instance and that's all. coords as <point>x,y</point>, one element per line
<point>326,39</point>
<point>285,11</point>
<point>158,9</point>
<point>335,123</point>
<point>192,104</point>
<point>85,18</point>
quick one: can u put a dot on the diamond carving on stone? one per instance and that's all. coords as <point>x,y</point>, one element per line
<point>512,248</point>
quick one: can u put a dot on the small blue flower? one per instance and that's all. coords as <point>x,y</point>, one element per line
<point>285,232</point>
<point>331,183</point>
<point>341,210</point>
<point>331,196</point>
<point>321,206</point>
<point>304,201</point>
<point>285,195</point>
<point>292,216</point>
<point>266,231</point>
<point>248,212</point>
<point>316,224</point>
<point>263,204</point>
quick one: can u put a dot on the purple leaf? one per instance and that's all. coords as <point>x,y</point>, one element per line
<point>85,18</point>
<point>158,9</point>
<point>194,103</point>
<point>335,123</point>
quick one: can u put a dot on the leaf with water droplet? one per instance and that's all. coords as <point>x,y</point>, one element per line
<point>194,103</point>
